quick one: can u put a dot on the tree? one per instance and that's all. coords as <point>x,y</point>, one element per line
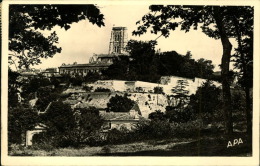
<point>46,95</point>
<point>13,85</point>
<point>157,115</point>
<point>206,101</point>
<point>27,44</point>
<point>158,126</point>
<point>178,111</point>
<point>119,104</point>
<point>88,121</point>
<point>181,94</point>
<point>77,80</point>
<point>119,69</point>
<point>174,114</point>
<point>20,119</point>
<point>143,62</point>
<point>215,22</point>
<point>60,122</point>
<point>91,77</point>
<point>33,85</point>
<point>243,57</point>
<point>205,68</point>
<point>158,90</point>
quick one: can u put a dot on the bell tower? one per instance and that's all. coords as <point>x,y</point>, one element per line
<point>118,40</point>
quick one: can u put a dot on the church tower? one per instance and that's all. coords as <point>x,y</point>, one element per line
<point>118,40</point>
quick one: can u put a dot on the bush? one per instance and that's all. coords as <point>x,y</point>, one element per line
<point>179,115</point>
<point>60,123</point>
<point>106,149</point>
<point>99,89</point>
<point>158,90</point>
<point>157,115</point>
<point>88,88</point>
<point>116,136</point>
<point>120,104</point>
<point>76,81</point>
<point>20,119</point>
<point>186,130</point>
<point>156,128</point>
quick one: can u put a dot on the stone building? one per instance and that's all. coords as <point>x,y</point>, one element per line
<point>49,72</point>
<point>83,69</point>
<point>99,62</point>
<point>118,40</point>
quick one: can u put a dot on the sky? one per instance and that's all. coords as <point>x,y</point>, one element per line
<point>83,39</point>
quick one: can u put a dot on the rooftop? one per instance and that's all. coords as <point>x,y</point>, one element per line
<point>86,65</point>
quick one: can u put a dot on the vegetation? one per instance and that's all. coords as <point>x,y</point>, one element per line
<point>88,123</point>
<point>198,119</point>
<point>20,119</point>
<point>146,65</point>
<point>27,44</point>
<point>207,102</point>
<point>224,19</point>
<point>158,90</point>
<point>120,104</point>
<point>99,89</point>
<point>60,122</point>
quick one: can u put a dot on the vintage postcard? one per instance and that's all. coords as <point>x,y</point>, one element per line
<point>130,83</point>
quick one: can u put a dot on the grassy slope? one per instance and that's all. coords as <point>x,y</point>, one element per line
<point>206,146</point>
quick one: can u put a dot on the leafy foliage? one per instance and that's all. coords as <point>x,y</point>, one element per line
<point>91,77</point>
<point>215,21</point>
<point>119,104</point>
<point>28,44</point>
<point>33,84</point>
<point>60,122</point>
<point>158,90</point>
<point>177,115</point>
<point>20,119</point>
<point>13,85</point>
<point>88,122</point>
<point>206,99</point>
<point>45,96</point>
<point>77,80</point>
<point>157,115</point>
<point>88,88</point>
<point>206,102</point>
<point>143,63</point>
<point>99,89</point>
<point>180,94</point>
<point>119,70</point>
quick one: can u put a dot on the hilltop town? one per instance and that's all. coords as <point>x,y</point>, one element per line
<point>148,97</point>
<point>132,100</point>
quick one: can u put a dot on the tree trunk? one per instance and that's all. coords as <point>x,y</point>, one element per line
<point>225,61</point>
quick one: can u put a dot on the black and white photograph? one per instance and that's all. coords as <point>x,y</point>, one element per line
<point>118,80</point>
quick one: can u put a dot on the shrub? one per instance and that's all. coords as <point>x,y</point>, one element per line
<point>160,129</point>
<point>20,119</point>
<point>99,89</point>
<point>88,88</point>
<point>157,115</point>
<point>178,115</point>
<point>158,90</point>
<point>106,149</point>
<point>156,128</point>
<point>186,130</point>
<point>60,121</point>
<point>139,89</point>
<point>206,101</point>
<point>120,104</point>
